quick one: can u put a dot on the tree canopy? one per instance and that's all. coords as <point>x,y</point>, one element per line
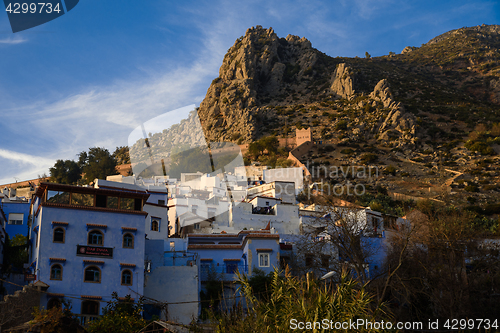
<point>97,163</point>
<point>65,172</point>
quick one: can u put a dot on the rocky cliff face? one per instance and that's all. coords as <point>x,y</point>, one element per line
<point>268,84</point>
<point>257,67</point>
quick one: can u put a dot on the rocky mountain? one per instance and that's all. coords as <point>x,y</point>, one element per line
<point>433,93</point>
<point>428,116</point>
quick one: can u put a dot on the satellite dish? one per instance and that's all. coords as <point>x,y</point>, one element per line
<point>328,275</point>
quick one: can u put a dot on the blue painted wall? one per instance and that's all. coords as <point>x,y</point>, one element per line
<point>16,207</point>
<point>72,283</point>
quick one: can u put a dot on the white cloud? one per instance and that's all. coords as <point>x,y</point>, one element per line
<point>13,40</point>
<point>22,166</point>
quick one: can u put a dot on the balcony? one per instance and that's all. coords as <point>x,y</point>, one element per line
<point>263,210</point>
<point>179,258</point>
<point>86,319</point>
<point>225,272</point>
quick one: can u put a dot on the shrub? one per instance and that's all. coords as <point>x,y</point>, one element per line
<point>368,158</point>
<point>390,170</point>
<point>471,188</point>
<point>341,125</point>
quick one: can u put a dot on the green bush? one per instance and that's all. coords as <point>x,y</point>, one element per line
<point>471,188</point>
<point>390,170</point>
<point>368,158</point>
<point>341,125</point>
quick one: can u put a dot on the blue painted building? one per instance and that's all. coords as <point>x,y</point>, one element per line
<point>226,253</point>
<point>16,211</point>
<point>3,235</point>
<point>86,243</point>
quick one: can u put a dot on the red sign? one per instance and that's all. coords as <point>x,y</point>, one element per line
<point>94,251</point>
<point>29,277</point>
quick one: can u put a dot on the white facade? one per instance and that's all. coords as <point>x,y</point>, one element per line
<point>284,219</point>
<point>286,175</point>
<point>278,189</point>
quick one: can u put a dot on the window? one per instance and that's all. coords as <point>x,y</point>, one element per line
<point>128,241</point>
<point>231,267</point>
<point>112,202</point>
<point>16,218</point>
<point>325,261</point>
<point>58,236</point>
<point>54,303</point>
<point>194,209</point>
<point>161,202</point>
<point>95,238</point>
<point>56,272</point>
<point>309,260</point>
<point>90,308</point>
<point>263,259</point>
<point>284,261</point>
<point>126,278</point>
<point>127,203</point>
<point>92,274</point>
<point>196,226</point>
<point>155,224</point>
<point>82,199</point>
<point>58,197</point>
<point>172,246</point>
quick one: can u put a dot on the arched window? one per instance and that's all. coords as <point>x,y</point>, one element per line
<point>90,308</point>
<point>54,303</point>
<point>95,238</point>
<point>127,277</point>
<point>92,274</point>
<point>128,241</point>
<point>56,272</point>
<point>58,236</point>
<point>155,225</point>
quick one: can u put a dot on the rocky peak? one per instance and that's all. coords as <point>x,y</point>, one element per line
<point>409,49</point>
<point>258,66</point>
<point>342,81</point>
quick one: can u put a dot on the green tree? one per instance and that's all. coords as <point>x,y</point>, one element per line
<point>271,144</point>
<point>119,317</point>
<point>122,155</point>
<point>97,163</point>
<point>65,172</point>
<point>16,252</point>
<point>256,149</point>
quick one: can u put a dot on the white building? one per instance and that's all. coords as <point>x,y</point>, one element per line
<point>277,189</point>
<point>295,175</point>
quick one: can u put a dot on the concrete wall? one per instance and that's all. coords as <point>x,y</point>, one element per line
<point>173,284</point>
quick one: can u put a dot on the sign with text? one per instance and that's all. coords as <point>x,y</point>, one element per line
<point>95,251</point>
<point>29,277</point>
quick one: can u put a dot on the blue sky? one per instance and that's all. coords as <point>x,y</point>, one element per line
<point>91,76</point>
